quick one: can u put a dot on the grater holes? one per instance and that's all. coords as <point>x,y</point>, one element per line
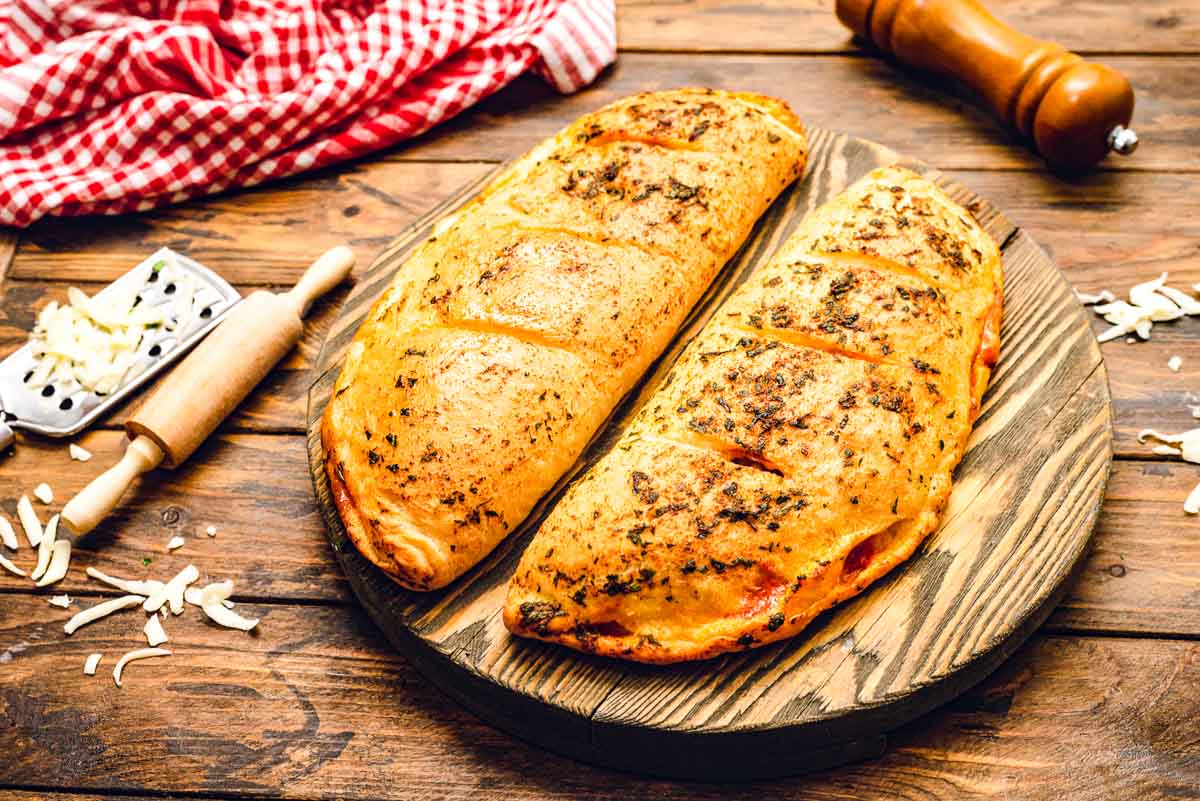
<point>66,404</point>
<point>28,376</point>
<point>47,391</point>
<point>206,313</point>
<point>155,351</point>
<point>169,289</point>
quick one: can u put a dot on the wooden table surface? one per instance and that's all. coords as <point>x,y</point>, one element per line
<point>1103,703</point>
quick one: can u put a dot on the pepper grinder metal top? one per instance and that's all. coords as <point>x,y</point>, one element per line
<point>1075,112</point>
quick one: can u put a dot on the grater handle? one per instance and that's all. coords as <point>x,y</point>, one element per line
<point>98,498</point>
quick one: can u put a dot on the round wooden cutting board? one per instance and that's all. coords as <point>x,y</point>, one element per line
<point>1025,499</point>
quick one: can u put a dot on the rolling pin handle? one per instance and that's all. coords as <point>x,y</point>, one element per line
<point>329,270</point>
<point>89,507</point>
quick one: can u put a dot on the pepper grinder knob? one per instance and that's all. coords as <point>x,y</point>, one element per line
<point>1075,112</point>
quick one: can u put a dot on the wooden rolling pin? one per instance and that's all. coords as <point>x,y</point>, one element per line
<point>1074,112</point>
<point>202,391</point>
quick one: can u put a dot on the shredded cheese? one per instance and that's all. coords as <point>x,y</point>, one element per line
<point>43,493</point>
<point>91,663</point>
<point>1188,442</point>
<point>45,548</point>
<point>29,521</point>
<point>1088,299</point>
<point>172,591</point>
<point>78,454</point>
<point>211,531</point>
<point>1191,504</point>
<point>1195,410</point>
<point>60,561</point>
<point>10,567</point>
<point>1174,363</point>
<point>90,342</point>
<point>155,635</point>
<point>61,601</point>
<point>212,600</point>
<point>8,536</point>
<point>148,587</point>
<point>1149,302</point>
<point>132,656</point>
<point>175,543</point>
<point>101,610</point>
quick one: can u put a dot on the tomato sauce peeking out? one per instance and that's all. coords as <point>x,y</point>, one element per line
<point>859,557</point>
<point>989,343</point>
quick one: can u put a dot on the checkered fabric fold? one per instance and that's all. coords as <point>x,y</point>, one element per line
<point>108,107</point>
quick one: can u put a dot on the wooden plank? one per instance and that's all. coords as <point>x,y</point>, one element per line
<point>1143,573</point>
<point>8,247</point>
<point>316,706</point>
<point>922,117</point>
<point>266,235</point>
<point>253,488</point>
<point>797,26</point>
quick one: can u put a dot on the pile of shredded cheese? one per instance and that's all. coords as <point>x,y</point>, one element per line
<point>93,342</point>
<point>1149,303</point>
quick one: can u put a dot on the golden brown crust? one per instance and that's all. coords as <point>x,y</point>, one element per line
<point>479,376</point>
<point>802,445</point>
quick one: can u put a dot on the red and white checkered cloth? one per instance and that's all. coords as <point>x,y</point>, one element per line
<point>109,106</point>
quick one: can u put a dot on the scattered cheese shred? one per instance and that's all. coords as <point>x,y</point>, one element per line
<point>1149,302</point>
<point>133,656</point>
<point>148,587</point>
<point>1174,363</point>
<point>1167,450</point>
<point>29,521</point>
<point>62,601</point>
<point>78,453</point>
<point>211,531</point>
<point>60,561</point>
<point>195,597</point>
<point>1192,504</point>
<point>91,663</point>
<point>176,543</point>
<point>1188,442</point>
<point>212,602</point>
<point>1088,299</point>
<point>45,548</point>
<point>10,567</point>
<point>43,493</point>
<point>8,536</point>
<point>155,635</point>
<point>101,610</point>
<point>173,591</point>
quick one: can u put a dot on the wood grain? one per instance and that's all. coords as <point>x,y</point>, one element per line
<point>797,26</point>
<point>920,116</point>
<point>1026,497</point>
<point>249,486</point>
<point>317,706</point>
<point>267,235</point>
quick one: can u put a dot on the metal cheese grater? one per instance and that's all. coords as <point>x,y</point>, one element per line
<point>62,410</point>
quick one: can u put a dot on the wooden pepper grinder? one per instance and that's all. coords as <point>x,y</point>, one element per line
<point>1074,112</point>
<point>210,382</point>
